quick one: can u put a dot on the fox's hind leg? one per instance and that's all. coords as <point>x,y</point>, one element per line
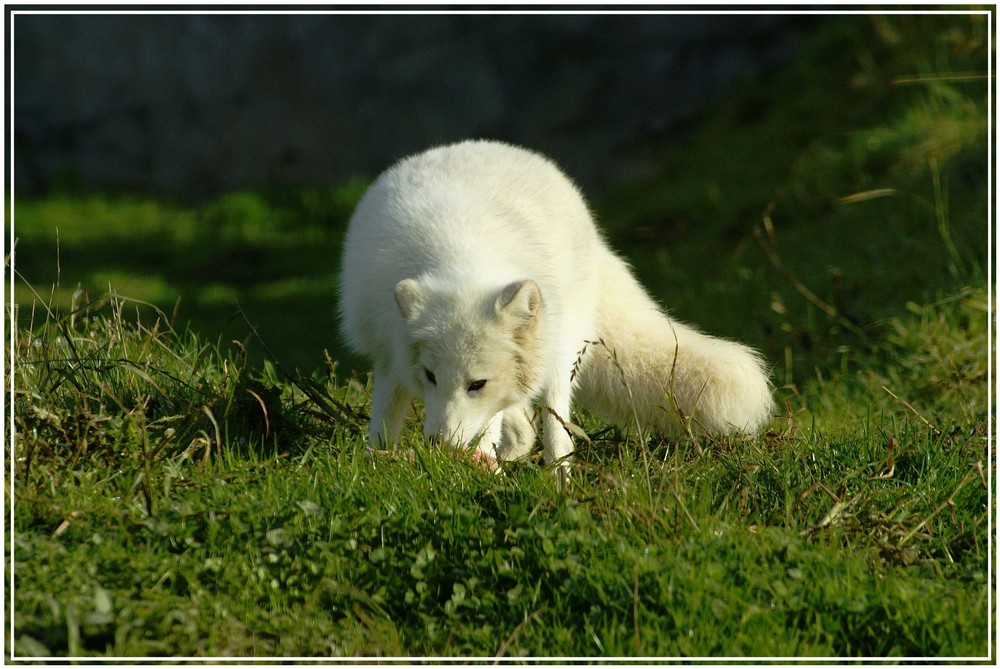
<point>390,403</point>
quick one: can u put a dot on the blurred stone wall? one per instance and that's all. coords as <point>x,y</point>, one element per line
<point>191,105</point>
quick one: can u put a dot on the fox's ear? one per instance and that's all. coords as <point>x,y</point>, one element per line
<point>520,300</point>
<point>409,298</point>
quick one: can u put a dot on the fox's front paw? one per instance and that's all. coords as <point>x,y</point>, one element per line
<point>486,460</point>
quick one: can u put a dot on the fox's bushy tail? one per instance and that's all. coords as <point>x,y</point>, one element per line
<point>664,374</point>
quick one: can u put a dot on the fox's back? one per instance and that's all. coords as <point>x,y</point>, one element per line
<point>480,212</point>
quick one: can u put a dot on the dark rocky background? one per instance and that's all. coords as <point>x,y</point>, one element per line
<point>192,105</point>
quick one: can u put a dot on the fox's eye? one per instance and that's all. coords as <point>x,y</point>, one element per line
<point>430,376</point>
<point>477,385</point>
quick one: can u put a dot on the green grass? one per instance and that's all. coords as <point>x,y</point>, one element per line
<point>181,503</point>
<point>272,255</point>
<point>174,495</point>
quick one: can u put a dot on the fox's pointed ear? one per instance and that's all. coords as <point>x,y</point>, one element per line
<point>520,300</point>
<point>409,298</point>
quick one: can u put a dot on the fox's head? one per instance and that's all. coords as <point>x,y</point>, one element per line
<point>473,353</point>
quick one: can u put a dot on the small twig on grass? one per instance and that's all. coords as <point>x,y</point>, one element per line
<point>979,470</point>
<point>572,429</point>
<point>946,76</point>
<point>517,631</point>
<point>770,248</point>
<point>890,462</point>
<point>910,407</point>
<point>65,524</point>
<point>942,506</point>
<point>218,433</point>
<point>263,408</point>
<point>768,243</point>
<point>837,510</point>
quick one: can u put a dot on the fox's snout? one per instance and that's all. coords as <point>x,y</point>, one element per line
<point>446,436</point>
<point>459,435</point>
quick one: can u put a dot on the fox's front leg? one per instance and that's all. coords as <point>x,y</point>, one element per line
<point>519,433</point>
<point>489,441</point>
<point>557,441</point>
<point>390,403</point>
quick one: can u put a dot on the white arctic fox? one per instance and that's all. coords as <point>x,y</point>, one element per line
<point>474,277</point>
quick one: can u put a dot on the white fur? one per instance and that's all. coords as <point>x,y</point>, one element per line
<point>479,261</point>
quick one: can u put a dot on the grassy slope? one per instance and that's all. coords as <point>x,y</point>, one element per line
<point>274,254</point>
<point>172,499</point>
